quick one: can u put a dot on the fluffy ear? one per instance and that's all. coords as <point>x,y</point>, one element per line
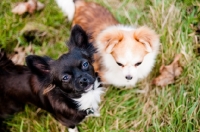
<point>108,39</point>
<point>38,65</point>
<point>147,37</point>
<point>78,38</point>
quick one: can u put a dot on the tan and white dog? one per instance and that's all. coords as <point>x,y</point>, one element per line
<point>125,53</point>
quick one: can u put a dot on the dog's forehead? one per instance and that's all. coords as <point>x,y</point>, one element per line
<point>71,59</point>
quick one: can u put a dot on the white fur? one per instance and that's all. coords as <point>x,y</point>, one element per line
<point>68,8</point>
<point>115,74</point>
<point>91,99</point>
<point>73,129</point>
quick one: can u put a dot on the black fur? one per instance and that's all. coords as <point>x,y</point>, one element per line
<point>69,76</point>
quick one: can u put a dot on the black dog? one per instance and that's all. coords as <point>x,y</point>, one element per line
<point>68,88</point>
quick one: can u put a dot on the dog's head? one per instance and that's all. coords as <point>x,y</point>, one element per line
<point>129,48</point>
<point>72,72</point>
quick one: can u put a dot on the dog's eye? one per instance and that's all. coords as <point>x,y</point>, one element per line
<point>85,65</point>
<point>66,78</point>
<point>137,64</point>
<point>120,64</point>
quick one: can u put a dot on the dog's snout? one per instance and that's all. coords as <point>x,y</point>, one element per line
<point>83,82</point>
<point>128,77</point>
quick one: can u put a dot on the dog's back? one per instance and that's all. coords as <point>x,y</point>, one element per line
<point>10,77</point>
<point>7,67</point>
<point>92,17</point>
<point>4,61</point>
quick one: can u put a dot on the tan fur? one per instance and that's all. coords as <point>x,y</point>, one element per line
<point>92,17</point>
<point>127,45</point>
<point>147,35</point>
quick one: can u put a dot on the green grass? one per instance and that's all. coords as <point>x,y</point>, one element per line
<point>174,108</point>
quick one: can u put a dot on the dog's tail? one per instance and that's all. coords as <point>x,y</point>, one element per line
<point>68,7</point>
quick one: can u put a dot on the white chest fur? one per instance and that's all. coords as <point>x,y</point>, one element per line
<point>91,99</point>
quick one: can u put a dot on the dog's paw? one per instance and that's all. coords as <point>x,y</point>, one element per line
<point>96,114</point>
<point>89,111</point>
<point>75,129</point>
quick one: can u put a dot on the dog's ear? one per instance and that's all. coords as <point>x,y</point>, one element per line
<point>108,39</point>
<point>147,37</point>
<point>78,38</point>
<point>38,65</point>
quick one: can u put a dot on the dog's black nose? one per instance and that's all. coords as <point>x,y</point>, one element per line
<point>83,82</point>
<point>128,77</point>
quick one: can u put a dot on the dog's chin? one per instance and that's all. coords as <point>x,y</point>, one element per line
<point>89,87</point>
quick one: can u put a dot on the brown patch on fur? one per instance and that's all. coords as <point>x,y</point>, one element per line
<point>97,64</point>
<point>128,44</point>
<point>110,39</point>
<point>137,49</point>
<point>48,89</point>
<point>93,18</point>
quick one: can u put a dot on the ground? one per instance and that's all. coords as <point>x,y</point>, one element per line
<point>145,107</point>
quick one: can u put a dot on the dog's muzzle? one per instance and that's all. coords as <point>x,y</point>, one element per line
<point>85,83</point>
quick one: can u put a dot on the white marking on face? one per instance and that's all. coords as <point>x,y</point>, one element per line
<point>129,61</point>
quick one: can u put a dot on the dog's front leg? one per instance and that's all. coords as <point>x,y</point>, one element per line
<point>74,129</point>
